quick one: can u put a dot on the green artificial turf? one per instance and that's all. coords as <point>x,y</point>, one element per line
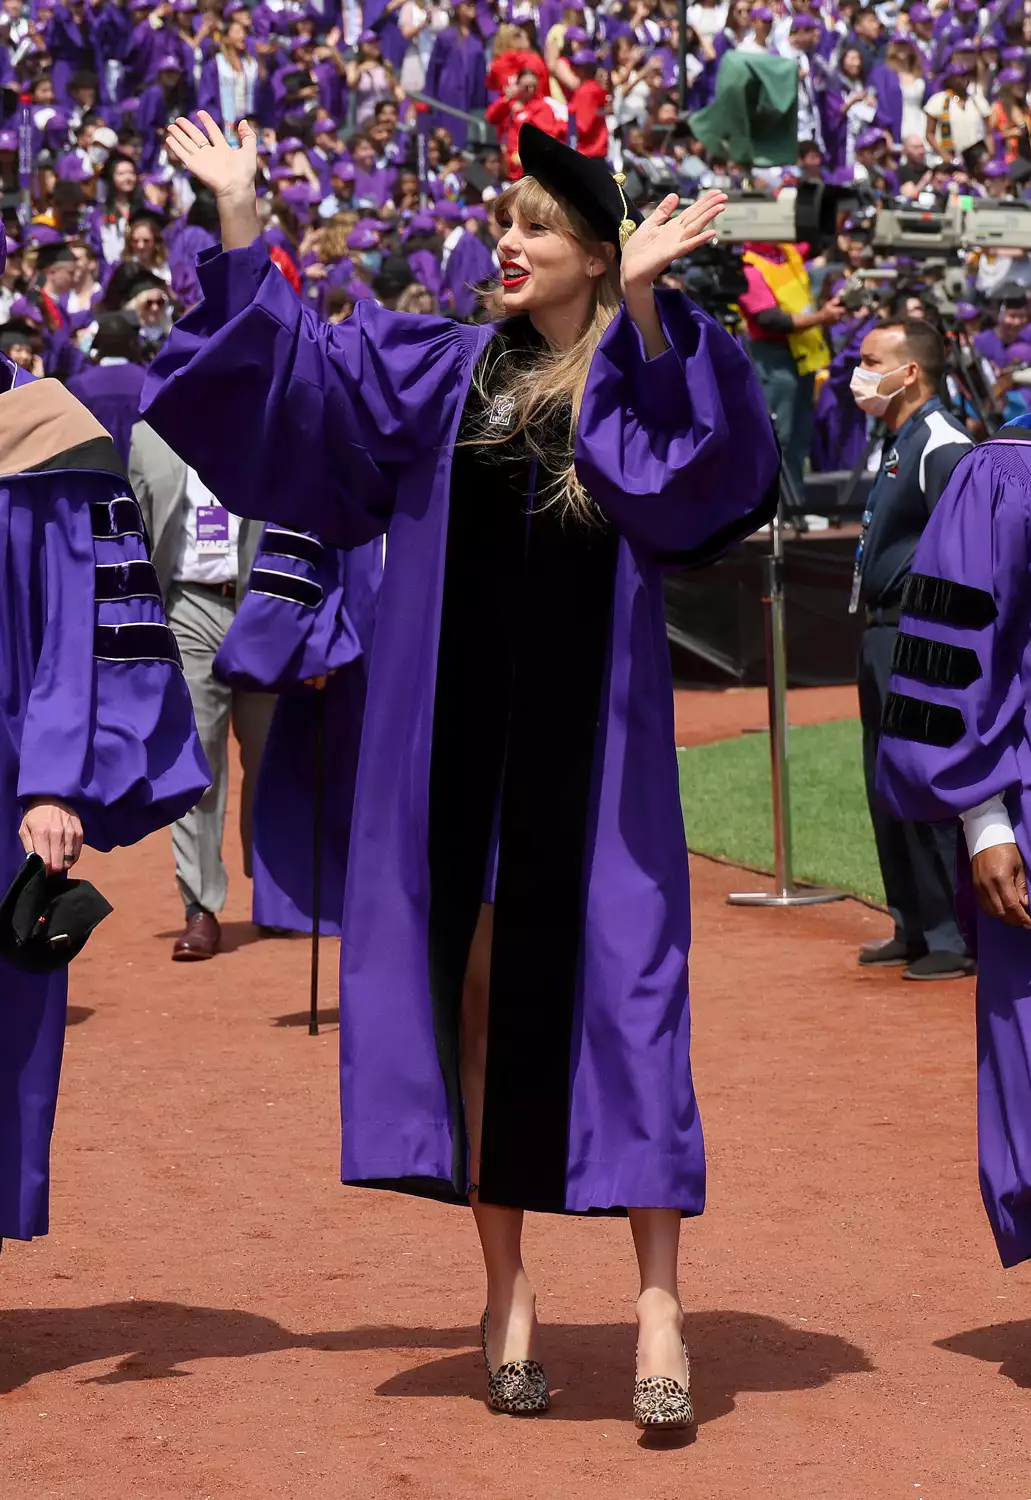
<point>725,793</point>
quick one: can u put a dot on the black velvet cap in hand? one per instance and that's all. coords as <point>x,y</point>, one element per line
<point>585,182</point>
<point>45,920</point>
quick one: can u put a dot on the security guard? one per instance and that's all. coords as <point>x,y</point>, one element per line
<point>900,372</point>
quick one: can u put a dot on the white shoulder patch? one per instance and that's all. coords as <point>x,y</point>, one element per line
<point>940,434</point>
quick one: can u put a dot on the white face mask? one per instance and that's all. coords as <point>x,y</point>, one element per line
<point>865,388</point>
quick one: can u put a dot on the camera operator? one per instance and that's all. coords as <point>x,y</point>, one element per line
<point>898,379</point>
<point>786,341</point>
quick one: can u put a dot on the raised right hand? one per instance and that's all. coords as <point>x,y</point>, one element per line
<point>228,172</point>
<point>1001,885</point>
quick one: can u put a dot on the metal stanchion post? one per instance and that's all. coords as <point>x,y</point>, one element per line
<point>784,892</point>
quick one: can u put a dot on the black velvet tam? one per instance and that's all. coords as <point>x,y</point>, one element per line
<point>45,920</point>
<point>585,182</point>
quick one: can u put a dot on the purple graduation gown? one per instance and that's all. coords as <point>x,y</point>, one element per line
<point>839,427</point>
<point>309,612</point>
<point>956,733</point>
<point>425,267</point>
<point>95,712</point>
<point>348,431</point>
<point>470,262</point>
<point>70,44</point>
<point>456,74</point>
<point>885,83</point>
<point>112,393</point>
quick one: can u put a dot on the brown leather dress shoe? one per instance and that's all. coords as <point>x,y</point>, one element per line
<point>201,938</point>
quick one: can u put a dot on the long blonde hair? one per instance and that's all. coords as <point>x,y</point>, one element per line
<point>546,393</point>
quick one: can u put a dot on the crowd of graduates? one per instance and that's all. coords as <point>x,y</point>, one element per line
<point>376,174</point>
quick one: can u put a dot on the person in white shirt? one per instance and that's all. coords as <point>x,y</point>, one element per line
<point>956,114</point>
<point>804,35</point>
<point>202,555</point>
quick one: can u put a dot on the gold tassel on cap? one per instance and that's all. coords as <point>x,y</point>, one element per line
<point>627,226</point>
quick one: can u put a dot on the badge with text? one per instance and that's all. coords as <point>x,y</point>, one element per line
<point>212,530</point>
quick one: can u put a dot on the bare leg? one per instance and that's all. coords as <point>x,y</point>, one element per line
<point>660,1318</point>
<point>509,1293</point>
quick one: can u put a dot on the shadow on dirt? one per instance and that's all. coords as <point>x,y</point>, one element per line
<point>591,1366</point>
<point>1007,1345</point>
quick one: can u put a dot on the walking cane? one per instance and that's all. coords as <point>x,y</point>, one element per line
<point>316,886</point>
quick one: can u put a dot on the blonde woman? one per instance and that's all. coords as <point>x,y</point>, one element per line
<point>417,298</point>
<point>513,993</point>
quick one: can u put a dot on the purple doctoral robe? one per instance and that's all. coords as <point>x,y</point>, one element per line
<point>112,393</point>
<point>309,612</point>
<point>95,712</point>
<point>456,74</point>
<point>350,431</point>
<point>957,732</point>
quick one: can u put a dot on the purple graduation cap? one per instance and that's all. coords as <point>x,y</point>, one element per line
<point>362,239</point>
<point>868,139</point>
<point>995,169</point>
<point>301,196</point>
<point>168,64</point>
<point>1010,75</point>
<point>966,312</point>
<point>24,311</point>
<point>919,14</point>
<point>72,168</point>
<point>42,234</point>
<point>419,224</point>
<point>343,170</point>
<point>57,126</point>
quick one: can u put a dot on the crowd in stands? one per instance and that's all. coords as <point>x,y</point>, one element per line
<point>370,191</point>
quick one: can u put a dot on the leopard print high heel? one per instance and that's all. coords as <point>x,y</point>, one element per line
<point>519,1387</point>
<point>660,1401</point>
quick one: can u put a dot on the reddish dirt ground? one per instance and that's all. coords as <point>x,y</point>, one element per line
<point>214,1316</point>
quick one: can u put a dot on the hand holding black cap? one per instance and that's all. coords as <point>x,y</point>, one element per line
<point>584,182</point>
<point>45,920</point>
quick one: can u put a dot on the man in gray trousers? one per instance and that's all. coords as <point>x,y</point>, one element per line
<point>203,557</point>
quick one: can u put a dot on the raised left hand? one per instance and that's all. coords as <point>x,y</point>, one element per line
<point>666,235</point>
<point>54,832</point>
